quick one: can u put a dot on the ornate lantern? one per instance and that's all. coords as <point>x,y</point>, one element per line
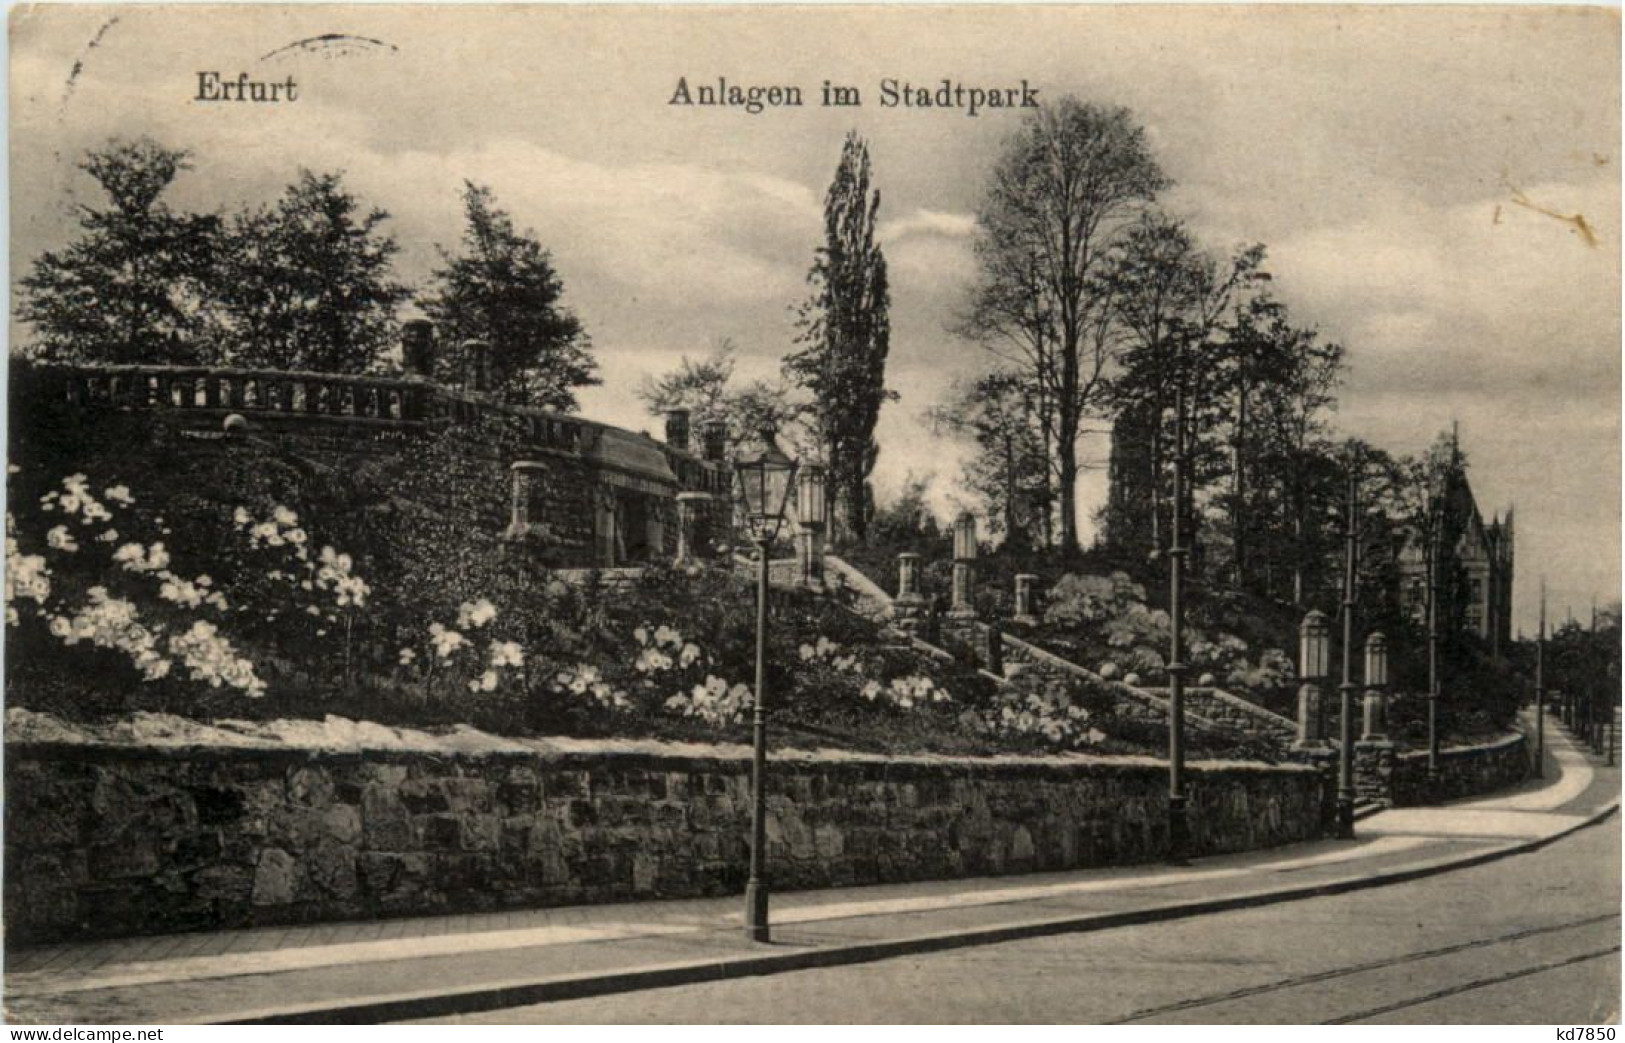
<point>810,495</point>
<point>763,484</point>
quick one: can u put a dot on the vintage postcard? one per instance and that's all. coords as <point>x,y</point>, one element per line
<point>822,514</point>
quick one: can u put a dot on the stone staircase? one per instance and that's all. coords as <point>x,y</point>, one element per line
<point>1138,703</point>
<point>1207,709</point>
<point>1238,714</point>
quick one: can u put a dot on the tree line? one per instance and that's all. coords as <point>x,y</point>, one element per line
<point>1094,310</point>
<point>305,282</point>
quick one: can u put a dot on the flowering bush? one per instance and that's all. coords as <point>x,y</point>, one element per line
<point>145,622</point>
<point>715,701</point>
<point>1058,710</point>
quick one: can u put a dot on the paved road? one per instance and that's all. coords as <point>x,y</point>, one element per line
<point>1533,939</point>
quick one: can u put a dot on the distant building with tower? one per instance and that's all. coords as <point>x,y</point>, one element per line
<point>1476,560</point>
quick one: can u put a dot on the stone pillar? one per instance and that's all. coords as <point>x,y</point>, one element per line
<point>1376,716</point>
<point>1024,599</point>
<point>690,509</point>
<point>1374,763</point>
<point>909,606</point>
<point>677,429</point>
<point>1311,718</point>
<point>964,595</point>
<point>810,555</point>
<point>417,348</point>
<point>995,649</point>
<point>526,475</point>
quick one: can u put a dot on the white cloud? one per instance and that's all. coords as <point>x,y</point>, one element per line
<point>924,222</point>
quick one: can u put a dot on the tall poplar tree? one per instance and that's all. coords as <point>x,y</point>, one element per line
<point>845,334</point>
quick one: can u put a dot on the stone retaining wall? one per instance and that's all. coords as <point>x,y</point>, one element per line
<point>1401,778</point>
<point>108,840</point>
<point>1464,771</point>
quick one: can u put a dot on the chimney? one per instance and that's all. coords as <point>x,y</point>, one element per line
<point>714,436</point>
<point>677,429</point>
<point>417,348</point>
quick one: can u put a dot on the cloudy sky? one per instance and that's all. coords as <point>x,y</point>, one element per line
<point>1412,172</point>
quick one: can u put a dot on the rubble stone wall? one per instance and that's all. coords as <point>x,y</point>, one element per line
<point>1464,771</point>
<point>107,840</point>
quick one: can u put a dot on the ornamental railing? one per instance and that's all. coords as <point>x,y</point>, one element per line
<point>291,395</point>
<point>245,391</point>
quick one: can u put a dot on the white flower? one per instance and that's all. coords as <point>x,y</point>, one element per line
<point>445,641</point>
<point>240,517</point>
<point>689,655</point>
<point>471,615</point>
<point>119,494</point>
<point>407,655</point>
<point>181,592</point>
<point>641,636</point>
<point>506,653</point>
<point>667,636</point>
<point>486,682</point>
<point>807,652</point>
<point>211,658</point>
<point>284,517</point>
<point>110,536</point>
<point>61,539</point>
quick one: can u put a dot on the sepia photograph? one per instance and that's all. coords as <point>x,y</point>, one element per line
<point>554,514</point>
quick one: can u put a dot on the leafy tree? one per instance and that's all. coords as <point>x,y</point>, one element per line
<point>502,289</point>
<point>1010,471</point>
<point>1067,184</point>
<point>1293,408</point>
<point>706,388</point>
<point>306,282</point>
<point>907,519</point>
<point>700,386</point>
<point>845,335</point>
<point>129,288</point>
<point>1169,297</point>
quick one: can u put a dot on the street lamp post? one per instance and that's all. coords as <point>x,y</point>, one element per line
<point>1540,688</point>
<point>1345,730</point>
<point>764,490</point>
<point>1592,737</point>
<point>1435,540</point>
<point>1177,825</point>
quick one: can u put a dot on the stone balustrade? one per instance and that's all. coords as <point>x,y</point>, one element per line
<point>285,398</point>
<point>245,391</point>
